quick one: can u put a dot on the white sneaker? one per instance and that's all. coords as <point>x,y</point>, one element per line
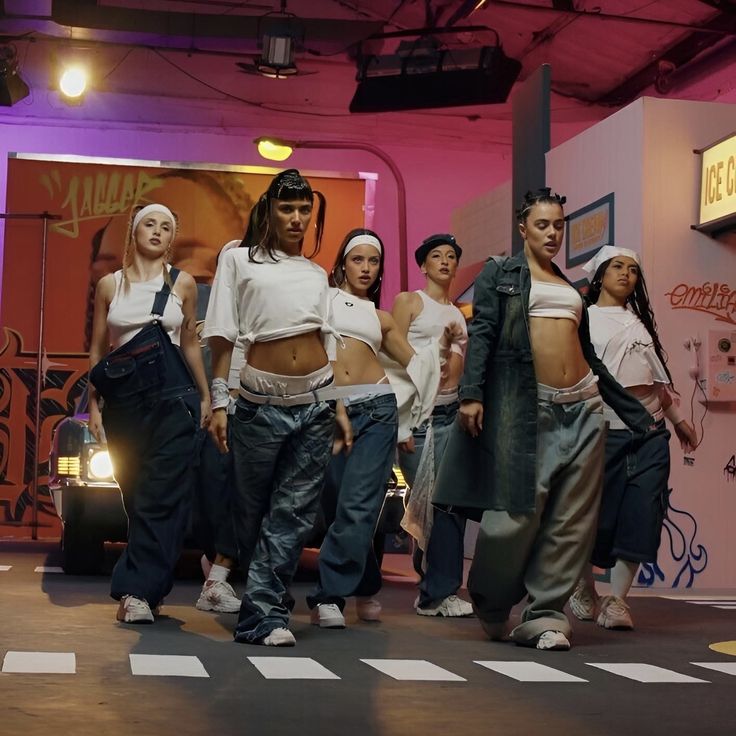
<point>280,638</point>
<point>553,640</point>
<point>583,601</point>
<point>217,595</point>
<point>368,609</point>
<point>328,616</point>
<point>450,607</point>
<point>134,610</point>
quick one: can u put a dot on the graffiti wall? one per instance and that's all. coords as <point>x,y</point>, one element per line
<point>93,201</point>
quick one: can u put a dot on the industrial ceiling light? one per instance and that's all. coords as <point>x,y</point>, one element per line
<point>73,81</point>
<point>12,88</point>
<point>274,149</point>
<point>279,33</point>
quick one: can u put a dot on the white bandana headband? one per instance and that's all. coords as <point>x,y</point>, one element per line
<point>148,209</point>
<point>366,239</point>
<point>605,254</point>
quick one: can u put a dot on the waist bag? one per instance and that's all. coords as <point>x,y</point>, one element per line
<point>149,363</point>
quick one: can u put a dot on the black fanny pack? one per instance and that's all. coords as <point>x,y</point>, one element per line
<point>146,364</point>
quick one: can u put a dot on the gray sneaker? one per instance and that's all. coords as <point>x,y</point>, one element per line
<point>583,601</point>
<point>450,607</point>
<point>217,595</point>
<point>328,616</point>
<point>614,614</point>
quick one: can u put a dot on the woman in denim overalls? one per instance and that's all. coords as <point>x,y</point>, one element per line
<point>273,301</point>
<point>151,435</point>
<point>528,461</point>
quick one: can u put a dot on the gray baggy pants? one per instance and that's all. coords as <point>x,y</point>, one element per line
<point>542,554</point>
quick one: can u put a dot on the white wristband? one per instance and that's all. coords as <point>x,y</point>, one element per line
<point>220,393</point>
<point>673,414</point>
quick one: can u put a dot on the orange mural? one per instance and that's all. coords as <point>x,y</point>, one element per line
<point>94,201</point>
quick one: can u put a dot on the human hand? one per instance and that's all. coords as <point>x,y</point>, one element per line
<point>686,434</point>
<point>95,423</point>
<point>218,429</point>
<point>408,445</point>
<point>470,415</point>
<point>205,413</point>
<point>343,441</point>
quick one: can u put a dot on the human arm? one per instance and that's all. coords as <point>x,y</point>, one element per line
<point>343,441</point>
<point>189,343</point>
<point>221,351</point>
<point>394,342</point>
<point>407,306</point>
<point>99,344</point>
<point>683,429</point>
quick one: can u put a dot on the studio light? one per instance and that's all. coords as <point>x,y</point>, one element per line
<point>274,149</point>
<point>73,81</point>
<point>12,88</point>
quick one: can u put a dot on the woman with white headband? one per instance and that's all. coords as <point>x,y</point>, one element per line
<point>150,423</point>
<point>355,486</point>
<point>624,334</point>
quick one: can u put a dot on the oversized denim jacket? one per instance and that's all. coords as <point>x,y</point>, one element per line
<point>497,470</point>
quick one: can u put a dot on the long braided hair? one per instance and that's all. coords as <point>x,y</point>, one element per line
<point>287,185</point>
<point>639,302</point>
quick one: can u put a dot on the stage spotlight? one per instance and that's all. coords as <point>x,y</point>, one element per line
<point>12,87</point>
<point>73,82</point>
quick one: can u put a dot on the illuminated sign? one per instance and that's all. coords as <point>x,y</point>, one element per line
<point>718,186</point>
<point>588,229</point>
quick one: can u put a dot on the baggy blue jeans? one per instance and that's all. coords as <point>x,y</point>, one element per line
<point>352,500</point>
<point>280,459</point>
<point>445,549</point>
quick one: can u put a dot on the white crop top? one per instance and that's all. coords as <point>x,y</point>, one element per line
<point>558,301</point>
<point>268,300</point>
<point>430,323</point>
<point>355,317</point>
<point>130,311</point>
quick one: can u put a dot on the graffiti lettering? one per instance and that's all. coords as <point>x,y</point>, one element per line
<point>102,195</point>
<point>730,468</point>
<point>718,300</point>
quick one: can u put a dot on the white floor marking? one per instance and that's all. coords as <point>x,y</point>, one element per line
<point>163,665</point>
<point>529,671</point>
<point>703,598</point>
<point>48,663</point>
<point>644,672</point>
<point>413,669</point>
<point>45,569</point>
<point>715,602</point>
<point>728,668</point>
<point>5,568</point>
<point>729,607</point>
<point>291,668</point>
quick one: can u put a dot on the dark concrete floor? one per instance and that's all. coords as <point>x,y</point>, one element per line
<point>54,613</point>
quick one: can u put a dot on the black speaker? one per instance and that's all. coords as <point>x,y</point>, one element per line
<point>12,88</point>
<point>489,84</point>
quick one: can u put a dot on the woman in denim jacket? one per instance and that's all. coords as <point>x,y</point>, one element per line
<point>529,461</point>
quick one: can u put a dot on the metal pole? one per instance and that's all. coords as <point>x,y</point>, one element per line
<point>400,191</point>
<point>45,216</point>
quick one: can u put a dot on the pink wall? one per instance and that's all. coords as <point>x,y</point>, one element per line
<point>437,180</point>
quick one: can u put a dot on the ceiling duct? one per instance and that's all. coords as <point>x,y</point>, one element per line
<point>426,73</point>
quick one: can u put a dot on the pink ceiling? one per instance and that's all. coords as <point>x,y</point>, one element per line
<point>154,73</point>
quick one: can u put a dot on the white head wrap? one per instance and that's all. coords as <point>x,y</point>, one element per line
<point>162,208</point>
<point>365,239</point>
<point>605,254</point>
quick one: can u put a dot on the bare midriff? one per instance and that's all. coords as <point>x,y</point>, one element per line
<point>356,364</point>
<point>290,356</point>
<point>558,357</point>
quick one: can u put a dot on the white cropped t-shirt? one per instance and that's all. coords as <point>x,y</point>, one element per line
<point>130,310</point>
<point>355,317</point>
<point>268,300</point>
<point>556,301</point>
<point>430,323</point>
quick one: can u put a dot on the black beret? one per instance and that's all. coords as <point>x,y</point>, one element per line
<point>433,241</point>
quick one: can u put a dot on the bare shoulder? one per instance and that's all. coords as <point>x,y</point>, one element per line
<point>106,287</point>
<point>407,300</point>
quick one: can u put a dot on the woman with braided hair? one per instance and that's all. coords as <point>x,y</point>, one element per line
<point>634,501</point>
<point>527,458</point>
<point>274,302</point>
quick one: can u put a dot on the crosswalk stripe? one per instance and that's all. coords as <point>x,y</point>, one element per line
<point>529,671</point>
<point>166,665</point>
<point>729,601</point>
<point>413,669</point>
<point>46,663</point>
<point>5,568</point>
<point>728,668</point>
<point>48,569</point>
<point>644,672</point>
<point>291,668</point>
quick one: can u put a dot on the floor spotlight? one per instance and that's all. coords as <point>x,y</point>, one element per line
<point>12,87</point>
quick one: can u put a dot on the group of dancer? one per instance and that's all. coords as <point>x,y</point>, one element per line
<point>313,388</point>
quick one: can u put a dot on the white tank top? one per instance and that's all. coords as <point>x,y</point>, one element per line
<point>430,323</point>
<point>130,311</point>
<point>558,301</point>
<point>355,317</point>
